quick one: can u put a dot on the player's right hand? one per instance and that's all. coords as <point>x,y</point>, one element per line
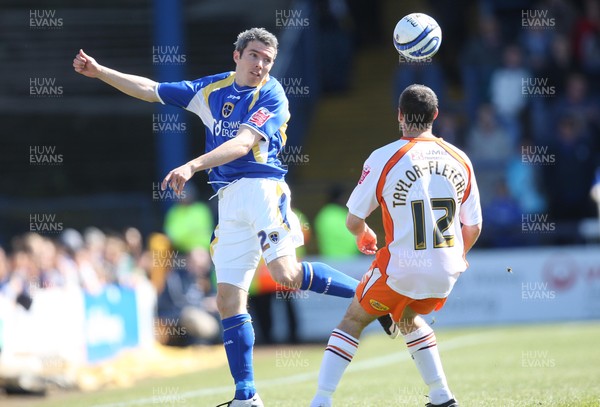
<point>367,241</point>
<point>177,178</point>
<point>86,65</point>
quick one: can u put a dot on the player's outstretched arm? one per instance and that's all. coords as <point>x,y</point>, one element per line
<point>366,239</point>
<point>132,85</point>
<point>232,149</point>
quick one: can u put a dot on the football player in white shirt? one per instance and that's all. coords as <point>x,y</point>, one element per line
<point>432,217</point>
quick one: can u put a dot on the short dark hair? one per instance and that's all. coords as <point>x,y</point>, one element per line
<point>255,34</point>
<point>418,104</point>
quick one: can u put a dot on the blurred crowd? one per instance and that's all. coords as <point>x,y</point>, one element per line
<point>521,95</point>
<point>90,261</point>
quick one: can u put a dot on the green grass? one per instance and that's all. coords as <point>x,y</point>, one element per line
<point>528,365</point>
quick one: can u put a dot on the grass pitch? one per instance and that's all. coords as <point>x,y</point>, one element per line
<point>527,365</point>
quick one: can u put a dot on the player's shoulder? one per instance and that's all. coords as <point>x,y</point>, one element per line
<point>384,153</point>
<point>380,157</point>
<point>217,77</point>
<point>454,149</point>
<point>272,95</point>
<point>200,83</point>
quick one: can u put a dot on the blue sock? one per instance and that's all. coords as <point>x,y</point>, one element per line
<point>323,279</point>
<point>238,339</point>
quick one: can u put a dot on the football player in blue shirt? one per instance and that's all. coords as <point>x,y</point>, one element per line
<point>245,113</point>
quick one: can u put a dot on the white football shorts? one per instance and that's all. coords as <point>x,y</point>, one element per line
<point>255,218</point>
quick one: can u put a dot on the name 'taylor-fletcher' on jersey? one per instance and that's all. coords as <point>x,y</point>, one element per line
<point>432,168</point>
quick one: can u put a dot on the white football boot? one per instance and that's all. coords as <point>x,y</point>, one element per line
<point>255,401</point>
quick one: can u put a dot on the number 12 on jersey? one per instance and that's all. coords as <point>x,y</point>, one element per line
<point>443,223</point>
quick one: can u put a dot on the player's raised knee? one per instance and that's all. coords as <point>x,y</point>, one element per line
<point>286,271</point>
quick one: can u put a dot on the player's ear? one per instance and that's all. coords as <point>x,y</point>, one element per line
<point>236,56</point>
<point>435,115</point>
<point>400,115</point>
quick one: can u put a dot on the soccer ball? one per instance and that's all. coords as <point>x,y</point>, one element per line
<point>417,36</point>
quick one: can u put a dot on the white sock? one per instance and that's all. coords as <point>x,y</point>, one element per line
<point>338,355</point>
<point>424,351</point>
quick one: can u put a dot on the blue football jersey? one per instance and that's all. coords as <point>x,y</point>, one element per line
<point>223,107</point>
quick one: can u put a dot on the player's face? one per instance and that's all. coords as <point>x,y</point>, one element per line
<point>253,64</point>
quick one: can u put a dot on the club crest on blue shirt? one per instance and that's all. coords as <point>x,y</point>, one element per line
<point>274,237</point>
<point>227,109</point>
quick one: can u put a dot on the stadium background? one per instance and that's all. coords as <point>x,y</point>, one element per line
<point>78,154</point>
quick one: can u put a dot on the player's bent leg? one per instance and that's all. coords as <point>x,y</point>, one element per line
<point>422,345</point>
<point>286,271</point>
<point>314,276</point>
<point>324,279</point>
<point>279,234</point>
<point>410,321</point>
<point>340,350</point>
<point>356,319</point>
<point>238,338</point>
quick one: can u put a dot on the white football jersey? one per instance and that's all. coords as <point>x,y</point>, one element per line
<point>426,189</point>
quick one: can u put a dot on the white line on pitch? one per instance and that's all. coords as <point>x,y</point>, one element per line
<point>358,366</point>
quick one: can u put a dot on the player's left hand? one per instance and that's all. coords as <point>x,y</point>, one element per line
<point>367,241</point>
<point>177,178</point>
